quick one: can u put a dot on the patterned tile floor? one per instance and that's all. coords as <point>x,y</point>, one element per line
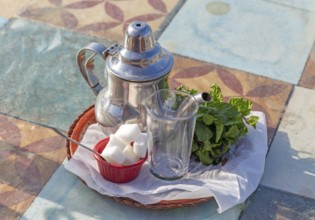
<point>30,154</point>
<point>259,49</point>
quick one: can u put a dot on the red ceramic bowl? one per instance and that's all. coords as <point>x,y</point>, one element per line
<point>114,172</point>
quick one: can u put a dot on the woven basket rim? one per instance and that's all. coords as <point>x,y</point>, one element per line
<point>164,204</point>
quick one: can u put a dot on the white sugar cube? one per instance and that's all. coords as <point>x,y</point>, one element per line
<point>140,145</point>
<point>128,133</point>
<point>130,157</point>
<point>113,155</point>
<point>114,141</point>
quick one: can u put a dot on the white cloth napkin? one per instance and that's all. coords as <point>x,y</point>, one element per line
<point>230,184</point>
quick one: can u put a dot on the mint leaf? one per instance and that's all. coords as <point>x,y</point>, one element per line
<point>216,94</point>
<point>243,129</point>
<point>195,147</point>
<point>218,130</point>
<point>207,119</point>
<point>204,157</point>
<point>243,106</point>
<point>185,89</point>
<point>233,132</point>
<point>234,121</point>
<point>202,132</point>
<point>252,120</point>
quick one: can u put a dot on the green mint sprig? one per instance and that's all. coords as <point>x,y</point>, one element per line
<point>219,125</point>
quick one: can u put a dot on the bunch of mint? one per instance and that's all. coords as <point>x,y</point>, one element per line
<point>219,125</point>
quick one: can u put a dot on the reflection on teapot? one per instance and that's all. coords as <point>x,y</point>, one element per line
<point>134,70</point>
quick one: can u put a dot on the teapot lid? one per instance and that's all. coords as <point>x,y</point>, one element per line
<point>140,58</point>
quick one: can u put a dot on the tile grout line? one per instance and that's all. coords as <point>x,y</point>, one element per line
<point>288,6</point>
<point>168,19</point>
<point>281,116</point>
<point>28,121</point>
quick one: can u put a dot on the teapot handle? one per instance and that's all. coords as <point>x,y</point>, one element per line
<point>87,65</point>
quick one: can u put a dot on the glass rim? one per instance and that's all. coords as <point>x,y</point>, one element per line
<point>190,115</point>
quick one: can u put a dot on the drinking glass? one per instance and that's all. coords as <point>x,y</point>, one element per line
<point>170,121</point>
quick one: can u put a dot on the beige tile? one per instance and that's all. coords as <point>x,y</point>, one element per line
<point>268,95</point>
<point>308,77</point>
<point>10,9</point>
<point>106,19</point>
<point>29,155</point>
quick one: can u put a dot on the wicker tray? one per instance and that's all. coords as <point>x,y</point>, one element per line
<point>77,130</point>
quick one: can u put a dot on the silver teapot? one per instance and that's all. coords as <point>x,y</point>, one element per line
<point>134,70</point>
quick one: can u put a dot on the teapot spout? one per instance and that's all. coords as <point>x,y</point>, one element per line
<point>198,98</point>
<point>202,97</point>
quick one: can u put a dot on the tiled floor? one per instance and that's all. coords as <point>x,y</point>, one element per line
<point>12,9</point>
<point>268,95</point>
<point>2,21</point>
<point>293,151</point>
<point>43,92</point>
<point>268,203</point>
<point>256,36</point>
<point>104,18</point>
<point>260,49</point>
<point>30,154</point>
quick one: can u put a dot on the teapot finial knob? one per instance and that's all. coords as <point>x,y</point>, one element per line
<point>138,37</point>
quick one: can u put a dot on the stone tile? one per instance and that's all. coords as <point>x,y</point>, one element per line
<point>308,5</point>
<point>103,18</point>
<point>29,155</point>
<point>308,77</point>
<point>290,164</point>
<point>10,9</point>
<point>256,36</point>
<point>39,78</point>
<point>267,203</point>
<point>268,95</point>
<point>2,21</point>
<point>66,197</point>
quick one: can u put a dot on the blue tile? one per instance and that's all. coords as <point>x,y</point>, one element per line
<point>308,5</point>
<point>39,77</point>
<point>2,21</point>
<point>66,197</point>
<point>260,37</point>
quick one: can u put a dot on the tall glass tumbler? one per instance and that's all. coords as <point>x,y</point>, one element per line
<point>170,121</point>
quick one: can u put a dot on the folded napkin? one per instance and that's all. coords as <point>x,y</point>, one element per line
<point>230,184</point>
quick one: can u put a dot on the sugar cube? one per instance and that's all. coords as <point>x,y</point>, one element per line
<point>113,155</point>
<point>140,145</point>
<point>128,133</point>
<point>115,141</point>
<point>130,157</point>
